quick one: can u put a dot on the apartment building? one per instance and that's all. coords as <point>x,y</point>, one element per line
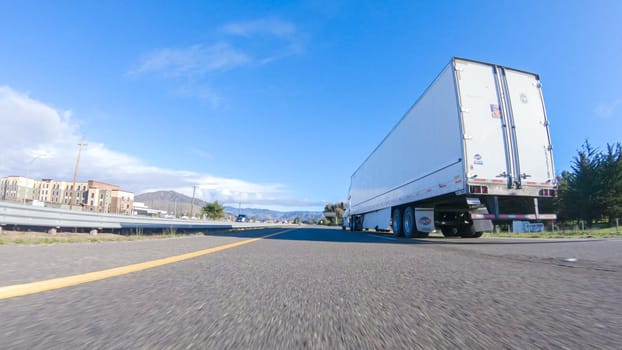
<point>122,202</point>
<point>17,188</point>
<point>93,195</point>
<point>99,196</point>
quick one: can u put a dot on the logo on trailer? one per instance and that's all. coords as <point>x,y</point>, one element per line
<point>424,220</point>
<point>478,159</point>
<point>523,98</point>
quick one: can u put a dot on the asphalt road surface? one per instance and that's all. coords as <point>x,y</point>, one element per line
<point>319,289</point>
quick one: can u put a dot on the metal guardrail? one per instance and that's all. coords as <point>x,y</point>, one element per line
<point>27,215</point>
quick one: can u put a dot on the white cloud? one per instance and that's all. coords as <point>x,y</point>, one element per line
<point>41,142</point>
<point>193,60</point>
<point>608,110</point>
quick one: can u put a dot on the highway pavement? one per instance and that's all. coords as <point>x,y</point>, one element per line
<point>314,288</point>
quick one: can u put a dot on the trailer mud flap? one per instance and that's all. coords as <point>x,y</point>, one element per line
<point>425,219</point>
<point>481,225</point>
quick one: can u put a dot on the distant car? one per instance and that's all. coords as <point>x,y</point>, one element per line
<point>241,218</point>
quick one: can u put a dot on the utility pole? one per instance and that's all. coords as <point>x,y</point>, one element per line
<point>75,175</point>
<point>194,188</point>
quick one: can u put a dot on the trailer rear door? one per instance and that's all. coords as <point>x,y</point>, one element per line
<point>487,156</point>
<point>533,151</point>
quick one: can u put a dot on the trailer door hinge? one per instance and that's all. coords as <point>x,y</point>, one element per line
<point>464,110</point>
<point>467,137</point>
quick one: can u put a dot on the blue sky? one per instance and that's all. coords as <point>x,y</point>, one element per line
<point>274,103</point>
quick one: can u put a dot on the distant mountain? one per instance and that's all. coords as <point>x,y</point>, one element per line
<point>266,214</point>
<point>169,200</point>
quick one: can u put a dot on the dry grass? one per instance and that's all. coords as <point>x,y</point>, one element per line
<point>595,233</point>
<point>19,237</point>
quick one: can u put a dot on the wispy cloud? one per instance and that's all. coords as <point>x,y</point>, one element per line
<point>608,110</point>
<point>193,60</point>
<point>40,141</point>
<point>201,153</point>
<point>239,44</point>
<point>201,92</point>
<point>273,27</point>
<point>291,39</point>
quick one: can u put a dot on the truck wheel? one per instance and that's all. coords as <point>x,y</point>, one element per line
<point>408,222</point>
<point>420,234</point>
<point>396,224</point>
<point>473,235</point>
<point>449,231</point>
<point>468,231</point>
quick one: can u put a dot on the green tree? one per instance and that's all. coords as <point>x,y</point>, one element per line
<point>592,190</point>
<point>582,193</point>
<point>563,208</point>
<point>213,210</point>
<point>610,172</point>
<point>333,213</point>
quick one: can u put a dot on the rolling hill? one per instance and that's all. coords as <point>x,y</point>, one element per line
<point>171,200</point>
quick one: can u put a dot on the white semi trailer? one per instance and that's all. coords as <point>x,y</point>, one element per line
<point>475,148</point>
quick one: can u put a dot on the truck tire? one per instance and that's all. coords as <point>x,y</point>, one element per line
<point>396,223</point>
<point>449,231</point>
<point>468,231</point>
<point>420,234</point>
<point>408,222</point>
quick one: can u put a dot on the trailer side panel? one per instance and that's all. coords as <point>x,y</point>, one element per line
<point>420,158</point>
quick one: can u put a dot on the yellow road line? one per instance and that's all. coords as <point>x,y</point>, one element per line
<point>62,282</point>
